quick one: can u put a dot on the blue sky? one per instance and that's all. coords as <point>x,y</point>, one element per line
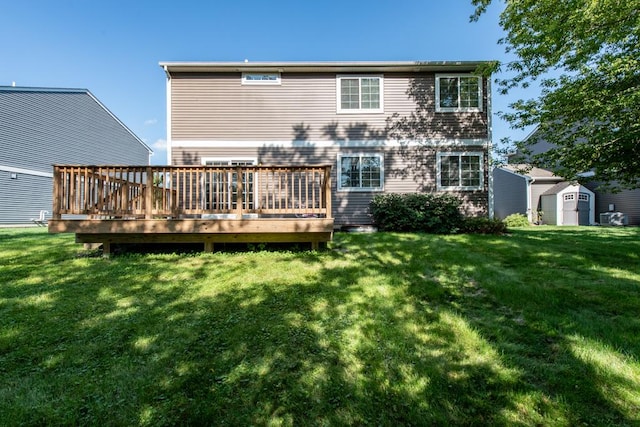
<point>113,47</point>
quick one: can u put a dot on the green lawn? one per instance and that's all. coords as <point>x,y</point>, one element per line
<point>541,327</point>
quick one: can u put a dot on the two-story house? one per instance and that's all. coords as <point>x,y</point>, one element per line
<point>43,126</point>
<point>385,127</point>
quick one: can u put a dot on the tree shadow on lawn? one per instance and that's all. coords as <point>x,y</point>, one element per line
<point>387,331</point>
<point>541,319</point>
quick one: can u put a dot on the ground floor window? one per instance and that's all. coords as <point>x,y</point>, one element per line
<point>460,171</point>
<point>360,172</point>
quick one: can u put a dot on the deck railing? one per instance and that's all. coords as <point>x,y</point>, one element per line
<point>148,192</point>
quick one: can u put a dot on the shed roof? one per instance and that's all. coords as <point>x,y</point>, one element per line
<point>564,185</point>
<point>558,188</point>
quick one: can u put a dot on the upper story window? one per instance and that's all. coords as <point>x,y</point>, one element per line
<point>261,79</point>
<point>360,172</point>
<point>460,171</point>
<point>458,93</point>
<point>359,94</point>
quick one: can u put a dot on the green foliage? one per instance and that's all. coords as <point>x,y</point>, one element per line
<point>416,212</point>
<point>482,225</point>
<point>516,220</point>
<point>585,56</point>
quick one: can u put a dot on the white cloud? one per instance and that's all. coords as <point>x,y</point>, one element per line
<point>150,122</point>
<point>160,144</point>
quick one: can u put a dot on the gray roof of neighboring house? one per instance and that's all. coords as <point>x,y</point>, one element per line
<point>532,172</point>
<point>49,90</point>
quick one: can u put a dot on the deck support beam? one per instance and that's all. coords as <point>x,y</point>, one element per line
<point>207,232</point>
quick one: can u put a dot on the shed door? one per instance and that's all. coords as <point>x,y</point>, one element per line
<point>570,209</point>
<point>583,209</point>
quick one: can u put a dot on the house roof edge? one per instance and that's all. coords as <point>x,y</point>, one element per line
<point>347,66</point>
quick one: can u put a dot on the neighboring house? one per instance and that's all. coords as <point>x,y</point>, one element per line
<point>625,204</point>
<point>40,127</point>
<point>385,127</point>
<point>517,189</point>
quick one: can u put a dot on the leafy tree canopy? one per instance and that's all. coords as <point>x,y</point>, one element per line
<point>585,54</point>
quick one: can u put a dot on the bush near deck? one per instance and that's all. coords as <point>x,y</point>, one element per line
<point>428,213</point>
<point>417,212</point>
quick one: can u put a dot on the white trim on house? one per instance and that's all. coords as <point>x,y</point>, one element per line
<point>168,107</point>
<point>360,110</point>
<point>440,187</point>
<point>11,169</point>
<point>339,186</point>
<point>433,143</point>
<point>458,109</point>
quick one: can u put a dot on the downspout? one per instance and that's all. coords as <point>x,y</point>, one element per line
<point>166,71</point>
<point>529,207</point>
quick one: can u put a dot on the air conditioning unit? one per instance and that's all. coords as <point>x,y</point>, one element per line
<point>614,218</point>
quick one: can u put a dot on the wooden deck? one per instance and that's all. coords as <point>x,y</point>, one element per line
<point>194,204</point>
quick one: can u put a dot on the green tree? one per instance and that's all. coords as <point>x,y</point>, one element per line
<point>585,55</point>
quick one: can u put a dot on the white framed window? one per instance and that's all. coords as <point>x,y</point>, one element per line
<point>460,171</point>
<point>261,79</point>
<point>220,190</point>
<point>458,93</point>
<point>359,94</point>
<point>360,172</point>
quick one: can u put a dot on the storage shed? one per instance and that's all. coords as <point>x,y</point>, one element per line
<point>568,203</point>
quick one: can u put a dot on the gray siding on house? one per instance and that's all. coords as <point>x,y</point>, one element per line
<point>407,170</point>
<point>23,198</point>
<point>40,127</point>
<point>510,193</point>
<point>537,189</point>
<point>626,201</point>
<point>216,106</point>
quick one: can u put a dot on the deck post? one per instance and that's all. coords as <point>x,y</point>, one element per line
<point>240,197</point>
<point>106,249</point>
<point>327,191</point>
<point>148,197</point>
<point>57,187</point>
